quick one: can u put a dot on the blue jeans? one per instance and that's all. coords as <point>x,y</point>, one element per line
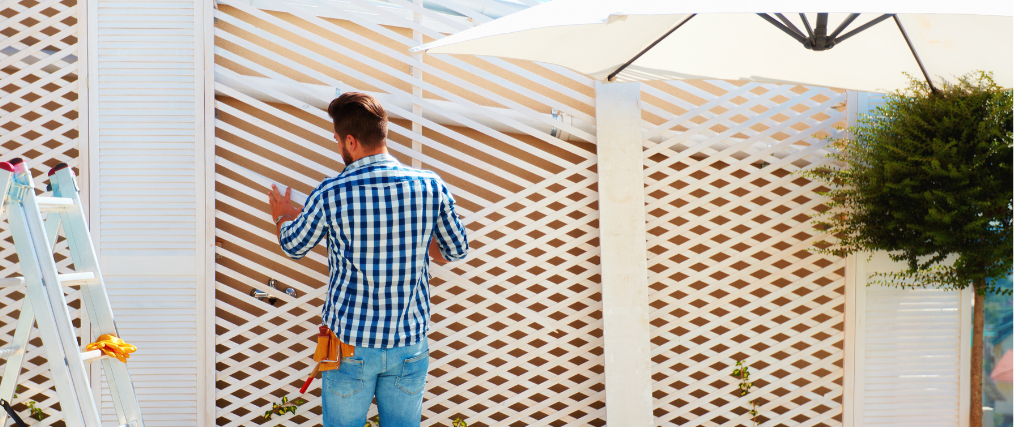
<point>396,376</point>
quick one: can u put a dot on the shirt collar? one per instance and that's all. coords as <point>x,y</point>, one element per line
<point>369,160</point>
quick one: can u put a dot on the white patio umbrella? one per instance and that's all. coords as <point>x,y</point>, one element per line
<point>851,44</point>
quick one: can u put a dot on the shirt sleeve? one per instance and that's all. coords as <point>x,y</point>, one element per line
<point>303,233</point>
<point>450,233</point>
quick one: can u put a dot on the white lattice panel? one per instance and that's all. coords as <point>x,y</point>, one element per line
<point>39,122</point>
<point>516,333</point>
<point>731,273</point>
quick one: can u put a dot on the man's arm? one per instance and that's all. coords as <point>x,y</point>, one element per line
<point>449,234</point>
<point>298,231</point>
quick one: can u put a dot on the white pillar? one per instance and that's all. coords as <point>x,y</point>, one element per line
<point>627,337</point>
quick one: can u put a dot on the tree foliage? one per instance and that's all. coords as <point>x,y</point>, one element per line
<point>929,176</point>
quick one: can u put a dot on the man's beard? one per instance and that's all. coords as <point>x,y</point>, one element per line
<point>346,155</point>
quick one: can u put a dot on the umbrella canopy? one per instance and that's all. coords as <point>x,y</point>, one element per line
<point>851,44</point>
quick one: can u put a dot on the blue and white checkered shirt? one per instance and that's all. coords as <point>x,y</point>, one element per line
<point>379,218</point>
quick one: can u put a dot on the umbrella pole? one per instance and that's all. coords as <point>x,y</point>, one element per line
<point>642,52</point>
<point>916,58</point>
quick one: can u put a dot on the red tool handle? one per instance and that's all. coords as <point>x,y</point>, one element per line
<point>309,380</point>
<point>306,385</point>
<point>322,333</point>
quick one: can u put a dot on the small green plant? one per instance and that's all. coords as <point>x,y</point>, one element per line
<point>458,422</point>
<point>284,407</point>
<point>374,421</point>
<point>743,374</point>
<point>36,412</point>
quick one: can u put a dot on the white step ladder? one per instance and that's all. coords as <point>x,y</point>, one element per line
<point>45,305</point>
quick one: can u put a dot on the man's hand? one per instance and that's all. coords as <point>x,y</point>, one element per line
<point>435,253</point>
<point>282,205</point>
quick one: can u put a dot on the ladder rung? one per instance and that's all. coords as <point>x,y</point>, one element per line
<point>67,279</point>
<point>54,204</point>
<point>12,281</point>
<point>92,356</point>
<point>7,352</point>
<point>76,279</point>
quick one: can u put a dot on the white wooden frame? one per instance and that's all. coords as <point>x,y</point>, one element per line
<point>621,208</point>
<point>205,218</point>
<point>856,376</point>
<point>854,320</point>
<point>89,150</point>
<point>853,380</point>
<point>966,330</point>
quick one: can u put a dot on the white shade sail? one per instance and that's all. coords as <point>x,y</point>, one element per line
<point>703,41</point>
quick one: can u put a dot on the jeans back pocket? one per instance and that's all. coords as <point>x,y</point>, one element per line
<point>347,379</point>
<point>414,373</point>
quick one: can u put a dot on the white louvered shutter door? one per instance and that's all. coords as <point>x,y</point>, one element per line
<point>147,164</point>
<point>912,357</point>
<point>912,346</point>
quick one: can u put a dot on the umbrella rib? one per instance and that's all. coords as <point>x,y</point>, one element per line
<point>642,52</point>
<point>914,51</point>
<point>807,24</point>
<point>846,23</point>
<point>799,37</point>
<point>790,24</point>
<point>869,24</point>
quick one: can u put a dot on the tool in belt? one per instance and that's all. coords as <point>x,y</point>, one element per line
<point>328,354</point>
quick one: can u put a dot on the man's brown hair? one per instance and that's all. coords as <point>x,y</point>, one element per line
<point>361,116</point>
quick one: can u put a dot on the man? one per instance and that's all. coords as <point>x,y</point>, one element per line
<point>381,220</point>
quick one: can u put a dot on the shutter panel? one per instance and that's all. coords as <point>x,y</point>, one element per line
<point>868,101</point>
<point>147,139</point>
<point>912,357</point>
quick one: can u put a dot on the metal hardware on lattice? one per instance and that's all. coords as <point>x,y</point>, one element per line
<point>45,304</point>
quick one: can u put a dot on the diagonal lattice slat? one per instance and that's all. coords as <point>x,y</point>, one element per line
<point>731,270</point>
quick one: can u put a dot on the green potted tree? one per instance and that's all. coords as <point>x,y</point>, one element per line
<point>928,178</point>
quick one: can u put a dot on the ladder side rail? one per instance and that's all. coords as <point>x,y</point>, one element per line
<point>94,296</point>
<point>36,294</point>
<point>33,223</point>
<point>6,176</point>
<point>12,369</point>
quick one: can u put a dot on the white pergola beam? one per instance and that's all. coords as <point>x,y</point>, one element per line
<point>620,170</point>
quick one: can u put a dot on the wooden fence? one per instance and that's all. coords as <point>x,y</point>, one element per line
<point>516,334</point>
<point>517,330</point>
